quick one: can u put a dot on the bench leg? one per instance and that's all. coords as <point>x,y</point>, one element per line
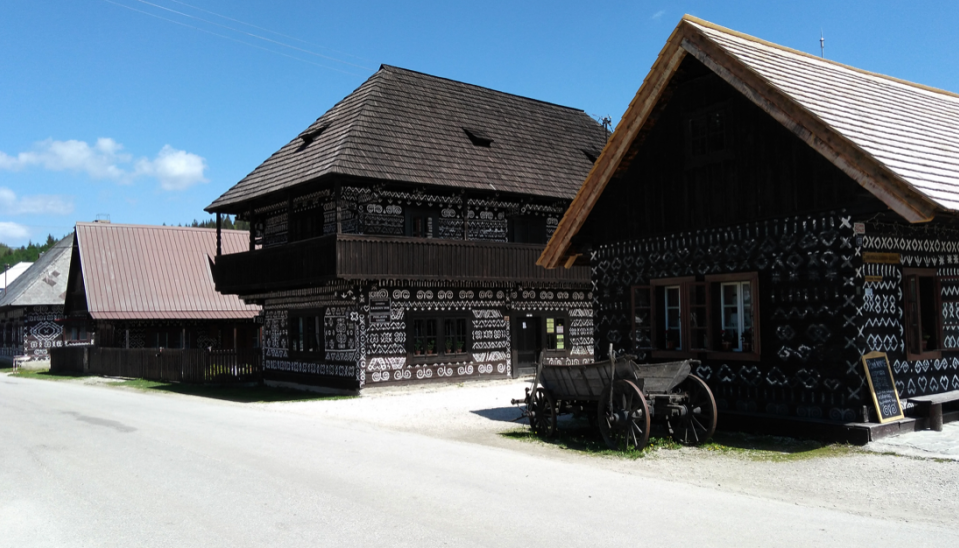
<point>935,417</point>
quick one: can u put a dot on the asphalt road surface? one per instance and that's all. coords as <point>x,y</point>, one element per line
<point>93,466</point>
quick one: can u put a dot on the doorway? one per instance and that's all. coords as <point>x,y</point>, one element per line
<point>529,343</point>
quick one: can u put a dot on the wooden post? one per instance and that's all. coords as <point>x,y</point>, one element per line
<point>252,231</point>
<point>935,417</point>
<point>219,235</point>
<point>337,194</point>
<point>466,211</point>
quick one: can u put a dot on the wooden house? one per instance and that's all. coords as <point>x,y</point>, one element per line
<point>31,308</point>
<point>136,286</point>
<point>776,215</point>
<point>395,239</point>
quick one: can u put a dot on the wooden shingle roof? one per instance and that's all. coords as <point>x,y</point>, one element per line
<point>137,272</point>
<point>897,139</point>
<point>405,126</point>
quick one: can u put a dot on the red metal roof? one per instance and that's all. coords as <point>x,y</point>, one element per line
<point>138,272</point>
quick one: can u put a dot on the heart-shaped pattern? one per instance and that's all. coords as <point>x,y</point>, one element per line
<point>750,374</point>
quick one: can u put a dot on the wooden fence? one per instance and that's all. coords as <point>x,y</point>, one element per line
<point>190,365</point>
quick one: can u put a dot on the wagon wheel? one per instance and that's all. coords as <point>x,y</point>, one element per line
<point>699,422</point>
<point>624,424</point>
<point>542,413</point>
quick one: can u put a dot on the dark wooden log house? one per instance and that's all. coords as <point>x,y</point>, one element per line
<point>776,215</point>
<point>137,286</point>
<point>31,308</point>
<point>395,239</point>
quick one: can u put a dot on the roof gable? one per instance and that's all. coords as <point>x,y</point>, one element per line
<point>154,272</point>
<point>884,133</point>
<point>45,281</point>
<point>410,127</point>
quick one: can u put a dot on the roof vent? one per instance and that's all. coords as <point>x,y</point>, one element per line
<point>478,137</point>
<point>309,136</point>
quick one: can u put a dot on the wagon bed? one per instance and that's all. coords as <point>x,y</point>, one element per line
<point>622,397</point>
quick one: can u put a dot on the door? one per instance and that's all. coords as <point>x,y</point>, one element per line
<point>528,342</point>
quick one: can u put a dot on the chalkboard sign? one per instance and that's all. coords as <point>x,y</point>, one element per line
<point>882,386</point>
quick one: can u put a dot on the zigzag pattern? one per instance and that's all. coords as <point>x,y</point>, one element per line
<point>881,322</point>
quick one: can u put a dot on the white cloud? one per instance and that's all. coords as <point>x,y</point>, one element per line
<point>174,169</point>
<point>36,204</point>
<point>12,232</point>
<point>658,14</point>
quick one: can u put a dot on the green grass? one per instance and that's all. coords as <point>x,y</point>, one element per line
<point>241,394</point>
<point>581,438</point>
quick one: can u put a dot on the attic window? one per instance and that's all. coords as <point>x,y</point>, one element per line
<point>311,135</point>
<point>478,137</point>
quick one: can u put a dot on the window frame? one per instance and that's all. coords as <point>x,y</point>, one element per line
<point>295,318</point>
<point>430,218</point>
<point>708,156</point>
<point>753,279</point>
<point>440,356</point>
<point>688,285</point>
<point>908,335</point>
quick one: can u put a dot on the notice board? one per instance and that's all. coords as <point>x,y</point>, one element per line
<point>882,386</point>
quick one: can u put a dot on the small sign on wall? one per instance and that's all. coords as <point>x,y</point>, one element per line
<point>880,258</point>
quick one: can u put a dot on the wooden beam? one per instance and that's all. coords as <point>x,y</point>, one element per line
<point>572,260</point>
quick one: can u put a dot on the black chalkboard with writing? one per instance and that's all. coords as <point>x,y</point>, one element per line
<point>882,386</point>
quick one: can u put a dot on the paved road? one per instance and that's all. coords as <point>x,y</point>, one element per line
<point>93,466</point>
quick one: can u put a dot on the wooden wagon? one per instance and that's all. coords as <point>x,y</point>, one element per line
<point>624,399</point>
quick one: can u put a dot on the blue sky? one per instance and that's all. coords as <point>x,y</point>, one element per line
<point>147,111</point>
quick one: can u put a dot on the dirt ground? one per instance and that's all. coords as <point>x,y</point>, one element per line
<point>860,481</point>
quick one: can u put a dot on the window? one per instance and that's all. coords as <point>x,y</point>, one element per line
<point>419,223</point>
<point>683,317</point>
<point>528,230</point>
<point>306,332</point>
<point>707,136</point>
<point>921,309</point>
<point>439,337</point>
<point>736,316</point>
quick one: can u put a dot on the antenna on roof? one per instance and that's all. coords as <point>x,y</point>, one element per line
<point>606,121</point>
<point>822,45</point>
<point>102,218</point>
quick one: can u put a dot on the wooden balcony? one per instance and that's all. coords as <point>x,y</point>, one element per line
<point>347,256</point>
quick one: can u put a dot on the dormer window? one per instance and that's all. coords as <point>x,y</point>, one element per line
<point>478,137</point>
<point>309,136</point>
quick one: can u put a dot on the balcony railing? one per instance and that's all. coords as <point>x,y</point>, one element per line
<point>349,256</point>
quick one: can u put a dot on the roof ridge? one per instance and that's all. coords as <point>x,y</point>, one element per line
<point>477,86</point>
<point>132,225</point>
<point>744,36</point>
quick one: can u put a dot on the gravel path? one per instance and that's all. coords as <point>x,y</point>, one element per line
<point>859,481</point>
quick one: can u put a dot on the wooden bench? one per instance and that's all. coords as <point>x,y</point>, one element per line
<point>932,406</point>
